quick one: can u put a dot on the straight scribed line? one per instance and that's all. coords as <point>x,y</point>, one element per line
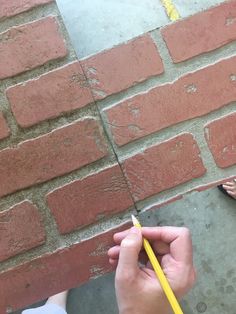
<point>171,10</point>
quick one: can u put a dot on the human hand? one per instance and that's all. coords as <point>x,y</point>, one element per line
<point>137,288</point>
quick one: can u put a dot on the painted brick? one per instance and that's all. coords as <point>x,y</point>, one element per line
<point>21,229</point>
<point>163,166</point>
<point>221,138</point>
<point>39,278</point>
<point>41,38</point>
<point>51,155</point>
<point>203,32</point>
<point>14,7</point>
<point>85,201</point>
<point>50,95</point>
<point>213,184</point>
<point>193,95</point>
<point>4,129</point>
<point>119,68</point>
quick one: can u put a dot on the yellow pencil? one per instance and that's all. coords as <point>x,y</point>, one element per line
<point>159,272</point>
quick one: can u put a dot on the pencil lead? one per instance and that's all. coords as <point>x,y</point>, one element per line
<point>134,220</point>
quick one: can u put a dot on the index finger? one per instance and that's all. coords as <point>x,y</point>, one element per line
<point>179,239</point>
<point>119,236</point>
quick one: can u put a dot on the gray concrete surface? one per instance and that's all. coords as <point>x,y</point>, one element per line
<point>189,7</point>
<point>100,24</point>
<point>211,217</point>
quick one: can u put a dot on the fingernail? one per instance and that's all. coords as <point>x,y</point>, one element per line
<point>134,230</point>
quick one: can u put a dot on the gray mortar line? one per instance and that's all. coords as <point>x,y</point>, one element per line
<point>141,144</point>
<point>53,184</point>
<point>220,53</point>
<point>20,135</point>
<point>109,140</point>
<point>196,127</point>
<point>39,12</point>
<point>181,189</point>
<point>35,13</point>
<point>172,73</point>
<point>66,241</point>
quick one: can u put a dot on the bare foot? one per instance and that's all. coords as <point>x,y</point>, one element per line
<point>230,188</point>
<point>59,299</point>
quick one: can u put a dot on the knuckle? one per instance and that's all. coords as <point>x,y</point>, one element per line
<point>128,242</point>
<point>124,278</point>
<point>185,232</point>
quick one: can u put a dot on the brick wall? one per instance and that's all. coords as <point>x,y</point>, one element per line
<point>85,143</point>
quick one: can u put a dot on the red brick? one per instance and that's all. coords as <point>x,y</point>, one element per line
<point>193,95</point>
<point>85,201</point>
<point>163,166</point>
<point>213,184</point>
<point>14,7</point>
<point>30,45</point>
<point>51,155</point>
<point>50,95</point>
<point>119,68</point>
<point>57,271</point>
<point>4,129</point>
<point>20,230</point>
<point>221,138</point>
<point>203,32</point>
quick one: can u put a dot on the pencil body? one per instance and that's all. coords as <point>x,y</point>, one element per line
<point>160,274</point>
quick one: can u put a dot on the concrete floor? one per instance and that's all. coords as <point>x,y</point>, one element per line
<point>211,217</point>
<point>100,24</point>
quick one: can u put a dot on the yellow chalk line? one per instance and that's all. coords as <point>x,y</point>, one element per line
<point>171,10</point>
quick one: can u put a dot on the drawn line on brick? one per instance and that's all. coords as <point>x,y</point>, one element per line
<point>171,10</point>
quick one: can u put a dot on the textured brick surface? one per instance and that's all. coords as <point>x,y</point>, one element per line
<point>41,277</point>
<point>202,32</point>
<point>83,202</point>
<point>20,230</point>
<point>221,138</point>
<point>50,95</point>
<point>121,67</point>
<point>46,157</point>
<point>33,159</point>
<point>4,129</point>
<point>12,7</point>
<point>41,38</point>
<point>163,166</point>
<point>193,95</point>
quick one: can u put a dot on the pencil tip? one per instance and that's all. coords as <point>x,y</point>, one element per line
<point>134,220</point>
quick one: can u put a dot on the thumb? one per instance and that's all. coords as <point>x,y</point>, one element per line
<point>129,252</point>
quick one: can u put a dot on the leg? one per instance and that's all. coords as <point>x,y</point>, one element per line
<point>59,299</point>
<point>56,304</point>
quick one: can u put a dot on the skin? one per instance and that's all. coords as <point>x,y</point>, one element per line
<point>230,188</point>
<point>137,288</point>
